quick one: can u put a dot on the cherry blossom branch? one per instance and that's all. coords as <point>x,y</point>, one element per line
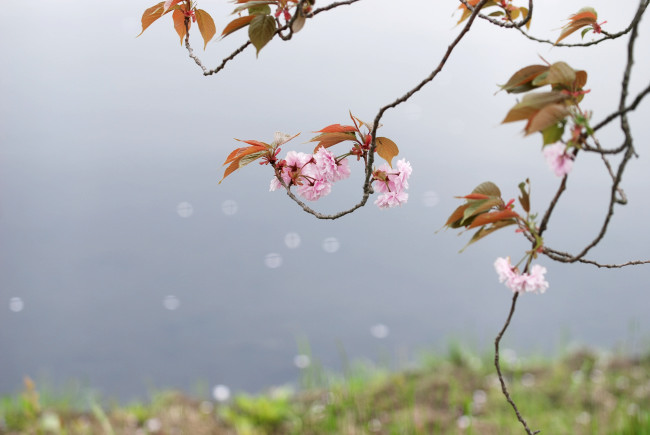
<point>367,188</point>
<point>208,72</point>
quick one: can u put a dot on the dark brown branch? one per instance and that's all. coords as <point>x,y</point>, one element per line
<point>565,257</point>
<point>497,364</point>
<point>207,72</point>
<point>367,188</point>
<point>607,37</point>
<point>627,109</point>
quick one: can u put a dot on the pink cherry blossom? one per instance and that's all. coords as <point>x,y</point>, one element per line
<point>392,183</point>
<point>329,167</point>
<point>275,184</point>
<point>558,159</point>
<point>521,282</point>
<point>391,199</point>
<point>314,189</point>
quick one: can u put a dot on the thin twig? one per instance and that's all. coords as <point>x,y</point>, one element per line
<point>497,364</point>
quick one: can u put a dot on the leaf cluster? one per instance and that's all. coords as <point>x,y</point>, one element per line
<point>337,133</point>
<point>546,112</point>
<point>184,13</point>
<point>504,9</point>
<point>485,209</point>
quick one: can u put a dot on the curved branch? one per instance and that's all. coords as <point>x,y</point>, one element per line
<point>207,72</point>
<point>497,364</point>
<point>607,37</point>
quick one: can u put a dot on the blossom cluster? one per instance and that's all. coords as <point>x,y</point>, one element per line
<point>521,282</point>
<point>313,174</point>
<point>392,184</point>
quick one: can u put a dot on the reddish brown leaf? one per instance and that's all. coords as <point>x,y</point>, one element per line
<point>206,26</point>
<point>329,139</point>
<point>474,196</point>
<point>240,152</point>
<point>488,218</point>
<point>519,80</point>
<point>179,23</point>
<point>581,79</point>
<point>546,117</point>
<point>584,17</point>
<point>531,104</point>
<point>150,15</point>
<point>387,149</point>
<point>456,216</point>
<point>237,24</point>
<point>170,4</point>
<point>338,128</point>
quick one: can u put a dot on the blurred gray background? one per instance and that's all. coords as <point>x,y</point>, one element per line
<point>125,266</point>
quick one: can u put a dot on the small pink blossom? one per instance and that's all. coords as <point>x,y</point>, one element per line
<point>558,159</point>
<point>329,167</point>
<point>314,189</point>
<point>521,282</point>
<point>391,199</point>
<point>392,183</point>
<point>275,184</point>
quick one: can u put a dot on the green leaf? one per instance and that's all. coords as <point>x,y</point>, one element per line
<point>547,117</point>
<point>584,32</point>
<point>553,133</point>
<point>259,10</point>
<point>261,31</point>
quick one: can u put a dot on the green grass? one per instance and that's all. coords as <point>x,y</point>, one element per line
<point>581,393</point>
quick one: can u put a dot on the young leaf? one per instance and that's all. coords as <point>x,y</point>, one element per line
<point>524,14</point>
<point>298,23</point>
<point>387,149</point>
<point>338,128</point>
<point>493,217</point>
<point>169,4</point>
<point>179,23</point>
<point>487,188</point>
<point>456,217</point>
<point>531,104</point>
<point>237,24</point>
<point>546,117</point>
<point>150,15</point>
<point>261,31</point>
<point>560,73</point>
<point>240,157</point>
<point>524,199</point>
<point>249,4</point>
<point>206,26</point>
<point>581,79</point>
<point>521,81</point>
<point>584,17</point>
<point>327,140</point>
<point>553,133</point>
